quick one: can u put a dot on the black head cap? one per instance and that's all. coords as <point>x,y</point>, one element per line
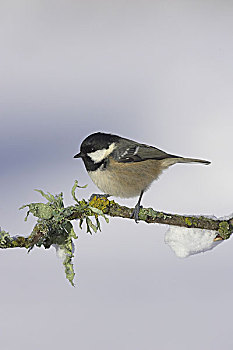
<point>96,141</point>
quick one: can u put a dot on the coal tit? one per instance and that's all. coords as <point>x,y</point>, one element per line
<point>124,168</point>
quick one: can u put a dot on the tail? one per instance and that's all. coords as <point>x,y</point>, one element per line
<point>192,160</point>
<point>166,162</point>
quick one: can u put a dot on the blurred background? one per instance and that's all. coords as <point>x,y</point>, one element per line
<point>159,72</point>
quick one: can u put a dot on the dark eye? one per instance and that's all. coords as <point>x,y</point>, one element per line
<point>90,149</point>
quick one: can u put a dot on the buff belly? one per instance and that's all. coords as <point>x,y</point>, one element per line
<point>126,179</point>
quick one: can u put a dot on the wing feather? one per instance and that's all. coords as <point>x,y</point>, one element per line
<point>131,151</point>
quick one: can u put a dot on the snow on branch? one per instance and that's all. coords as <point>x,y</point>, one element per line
<point>54,227</point>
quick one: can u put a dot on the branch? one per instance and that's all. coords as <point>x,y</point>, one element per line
<point>224,228</point>
<point>54,226</point>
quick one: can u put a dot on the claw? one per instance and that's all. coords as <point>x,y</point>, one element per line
<point>98,195</point>
<point>135,213</point>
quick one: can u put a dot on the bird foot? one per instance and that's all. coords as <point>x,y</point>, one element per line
<point>135,213</point>
<point>98,195</point>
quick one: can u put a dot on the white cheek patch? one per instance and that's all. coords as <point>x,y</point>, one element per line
<point>101,154</point>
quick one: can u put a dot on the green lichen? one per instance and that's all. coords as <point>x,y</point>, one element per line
<point>4,238</point>
<point>188,221</point>
<point>68,252</point>
<point>53,225</point>
<point>143,213</point>
<point>19,242</point>
<point>149,212</point>
<point>75,186</point>
<point>101,203</point>
<point>45,210</point>
<point>161,215</point>
<point>191,221</point>
<point>40,210</point>
<point>224,230</point>
<point>53,228</point>
<point>90,225</point>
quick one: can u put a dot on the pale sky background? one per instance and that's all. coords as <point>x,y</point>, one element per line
<point>159,72</point>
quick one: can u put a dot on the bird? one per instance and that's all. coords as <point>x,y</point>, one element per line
<point>124,168</point>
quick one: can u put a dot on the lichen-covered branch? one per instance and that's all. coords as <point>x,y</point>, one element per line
<point>224,228</point>
<point>149,215</point>
<point>54,225</point>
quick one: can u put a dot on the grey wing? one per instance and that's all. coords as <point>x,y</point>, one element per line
<point>131,151</point>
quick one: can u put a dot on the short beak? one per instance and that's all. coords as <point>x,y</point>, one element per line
<point>79,155</point>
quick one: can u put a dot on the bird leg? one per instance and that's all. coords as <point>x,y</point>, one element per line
<point>136,210</point>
